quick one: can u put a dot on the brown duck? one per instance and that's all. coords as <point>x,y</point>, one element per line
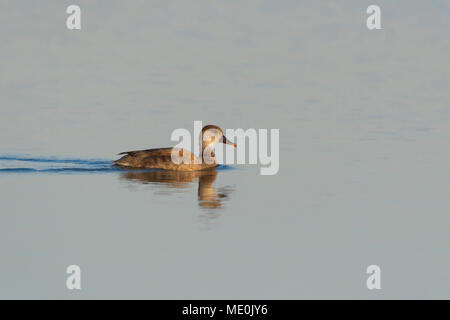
<point>172,182</point>
<point>161,158</point>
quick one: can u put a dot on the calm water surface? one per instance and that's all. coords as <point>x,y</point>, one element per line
<point>364,160</point>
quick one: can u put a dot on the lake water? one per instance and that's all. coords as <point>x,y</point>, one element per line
<point>364,173</point>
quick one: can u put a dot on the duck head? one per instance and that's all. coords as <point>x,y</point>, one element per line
<point>211,135</point>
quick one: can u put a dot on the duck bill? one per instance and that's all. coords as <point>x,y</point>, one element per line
<point>226,141</point>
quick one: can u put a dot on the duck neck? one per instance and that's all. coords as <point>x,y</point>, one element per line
<point>207,154</point>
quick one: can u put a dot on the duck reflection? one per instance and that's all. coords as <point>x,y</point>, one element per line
<point>209,197</point>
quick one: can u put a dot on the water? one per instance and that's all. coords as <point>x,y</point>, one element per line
<point>363,118</point>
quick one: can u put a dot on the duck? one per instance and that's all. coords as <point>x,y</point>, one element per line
<point>161,158</point>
